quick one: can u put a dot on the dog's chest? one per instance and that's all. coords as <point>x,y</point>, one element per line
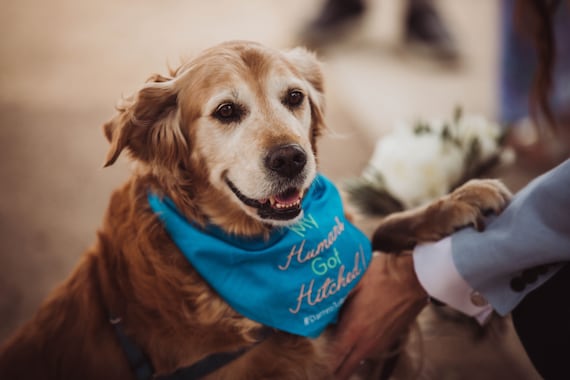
<point>295,281</point>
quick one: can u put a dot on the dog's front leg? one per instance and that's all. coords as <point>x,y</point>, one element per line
<point>467,205</point>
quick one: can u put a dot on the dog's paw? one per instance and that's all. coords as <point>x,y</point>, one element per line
<point>476,199</point>
<point>466,205</point>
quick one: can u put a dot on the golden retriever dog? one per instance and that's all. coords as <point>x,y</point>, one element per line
<point>230,139</point>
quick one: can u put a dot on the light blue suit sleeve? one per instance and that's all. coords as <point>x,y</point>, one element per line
<point>533,230</point>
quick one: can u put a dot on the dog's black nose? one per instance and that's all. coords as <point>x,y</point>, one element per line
<point>286,160</point>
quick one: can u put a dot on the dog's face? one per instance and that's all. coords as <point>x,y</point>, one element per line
<point>241,117</point>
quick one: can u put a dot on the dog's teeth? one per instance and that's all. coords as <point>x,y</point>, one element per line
<point>283,205</point>
<point>286,205</point>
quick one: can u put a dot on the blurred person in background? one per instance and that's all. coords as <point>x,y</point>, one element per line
<point>423,26</point>
<point>518,61</point>
<point>518,265</point>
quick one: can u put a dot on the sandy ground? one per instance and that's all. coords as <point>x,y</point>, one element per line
<point>65,63</point>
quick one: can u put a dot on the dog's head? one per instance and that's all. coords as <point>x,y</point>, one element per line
<point>237,125</point>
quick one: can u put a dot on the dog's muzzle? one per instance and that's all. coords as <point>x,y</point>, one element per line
<point>285,167</point>
<point>282,206</point>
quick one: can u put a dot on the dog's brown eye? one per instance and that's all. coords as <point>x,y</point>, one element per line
<point>294,98</point>
<point>228,112</point>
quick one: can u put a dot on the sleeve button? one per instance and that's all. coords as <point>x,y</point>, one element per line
<point>530,275</point>
<point>517,284</point>
<point>477,299</point>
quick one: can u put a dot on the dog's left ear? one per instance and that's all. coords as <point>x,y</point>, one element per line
<point>309,66</point>
<point>148,125</point>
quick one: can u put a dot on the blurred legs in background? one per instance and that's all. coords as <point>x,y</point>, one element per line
<point>423,26</point>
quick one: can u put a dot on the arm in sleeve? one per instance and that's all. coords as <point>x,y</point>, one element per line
<point>533,230</point>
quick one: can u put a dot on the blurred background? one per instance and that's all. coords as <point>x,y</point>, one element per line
<point>65,63</point>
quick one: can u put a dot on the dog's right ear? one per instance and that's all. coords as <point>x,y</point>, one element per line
<point>147,124</point>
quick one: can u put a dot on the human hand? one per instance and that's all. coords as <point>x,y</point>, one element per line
<point>379,310</point>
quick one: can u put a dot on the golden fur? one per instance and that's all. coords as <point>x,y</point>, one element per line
<point>134,271</point>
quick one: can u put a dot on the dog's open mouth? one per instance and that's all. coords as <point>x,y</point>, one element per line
<point>282,206</point>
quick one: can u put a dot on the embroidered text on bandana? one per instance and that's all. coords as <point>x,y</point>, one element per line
<point>295,281</point>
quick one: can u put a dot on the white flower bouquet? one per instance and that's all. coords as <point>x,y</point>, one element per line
<point>417,163</point>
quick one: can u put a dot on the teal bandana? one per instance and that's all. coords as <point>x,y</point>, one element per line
<point>295,281</point>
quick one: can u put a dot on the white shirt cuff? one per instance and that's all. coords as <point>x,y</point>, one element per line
<point>436,271</point>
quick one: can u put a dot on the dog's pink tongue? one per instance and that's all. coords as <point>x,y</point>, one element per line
<point>288,196</point>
